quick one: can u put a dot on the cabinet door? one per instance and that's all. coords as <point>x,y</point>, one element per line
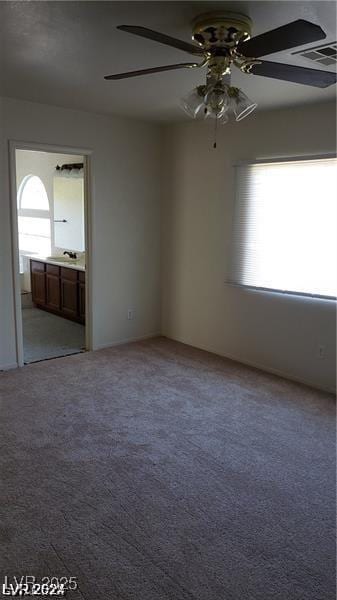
<point>38,281</point>
<point>69,300</point>
<point>53,294</point>
<point>81,298</point>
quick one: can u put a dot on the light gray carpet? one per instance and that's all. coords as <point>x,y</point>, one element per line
<point>49,336</point>
<point>154,471</point>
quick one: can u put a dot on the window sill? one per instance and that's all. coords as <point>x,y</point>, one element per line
<point>281,293</point>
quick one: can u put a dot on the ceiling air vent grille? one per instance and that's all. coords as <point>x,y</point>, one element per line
<point>323,55</point>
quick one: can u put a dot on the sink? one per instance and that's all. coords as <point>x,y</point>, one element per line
<point>64,259</point>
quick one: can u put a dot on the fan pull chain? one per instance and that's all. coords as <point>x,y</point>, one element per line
<point>215,131</point>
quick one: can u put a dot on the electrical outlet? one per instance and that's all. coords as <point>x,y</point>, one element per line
<point>131,313</point>
<point>321,351</point>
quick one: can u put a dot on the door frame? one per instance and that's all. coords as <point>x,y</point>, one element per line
<point>14,145</point>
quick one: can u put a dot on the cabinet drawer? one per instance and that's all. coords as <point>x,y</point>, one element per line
<point>70,274</point>
<point>81,276</point>
<point>37,266</point>
<point>53,270</point>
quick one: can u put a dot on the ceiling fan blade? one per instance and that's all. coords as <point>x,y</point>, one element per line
<point>162,38</point>
<point>291,35</point>
<point>153,70</point>
<point>314,77</point>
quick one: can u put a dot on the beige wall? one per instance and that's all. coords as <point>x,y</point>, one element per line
<point>275,332</point>
<point>272,331</point>
<point>125,216</point>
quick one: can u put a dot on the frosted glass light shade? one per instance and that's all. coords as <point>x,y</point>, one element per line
<point>242,106</point>
<point>192,103</point>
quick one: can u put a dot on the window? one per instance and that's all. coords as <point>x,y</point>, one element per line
<point>284,227</point>
<point>34,217</point>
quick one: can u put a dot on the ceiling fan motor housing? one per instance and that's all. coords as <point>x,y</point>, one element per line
<point>216,31</point>
<point>219,35</point>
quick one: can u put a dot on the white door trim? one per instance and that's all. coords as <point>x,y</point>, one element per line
<point>88,195</point>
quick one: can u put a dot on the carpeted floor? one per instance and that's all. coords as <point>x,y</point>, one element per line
<point>154,471</point>
<point>49,336</point>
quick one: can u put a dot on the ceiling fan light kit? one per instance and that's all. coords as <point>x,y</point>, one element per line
<point>223,41</point>
<point>215,100</point>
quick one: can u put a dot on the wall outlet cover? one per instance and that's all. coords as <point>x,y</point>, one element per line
<point>321,351</point>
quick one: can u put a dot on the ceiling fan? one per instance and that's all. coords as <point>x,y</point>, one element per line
<point>223,41</point>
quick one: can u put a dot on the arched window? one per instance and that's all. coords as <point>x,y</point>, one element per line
<point>34,217</point>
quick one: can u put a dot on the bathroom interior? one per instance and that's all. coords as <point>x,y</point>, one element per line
<point>51,238</point>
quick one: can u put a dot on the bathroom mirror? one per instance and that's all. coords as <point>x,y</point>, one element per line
<point>69,210</point>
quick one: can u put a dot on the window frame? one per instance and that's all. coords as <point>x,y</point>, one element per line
<point>34,212</point>
<point>261,289</point>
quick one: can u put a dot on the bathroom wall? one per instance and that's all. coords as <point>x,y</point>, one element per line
<point>69,213</point>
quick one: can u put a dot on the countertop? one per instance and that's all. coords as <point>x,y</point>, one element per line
<point>78,265</point>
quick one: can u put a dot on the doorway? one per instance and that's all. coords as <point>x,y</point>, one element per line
<point>50,198</point>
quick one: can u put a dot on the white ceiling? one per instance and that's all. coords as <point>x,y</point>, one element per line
<point>58,52</point>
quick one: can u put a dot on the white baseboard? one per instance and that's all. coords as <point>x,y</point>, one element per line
<point>127,341</point>
<point>8,366</point>
<point>253,364</point>
<point>259,366</point>
<point>100,346</point>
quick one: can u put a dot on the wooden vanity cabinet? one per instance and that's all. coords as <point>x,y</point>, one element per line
<point>81,294</point>
<point>60,290</point>
<point>52,287</point>
<point>69,293</point>
<point>38,284</point>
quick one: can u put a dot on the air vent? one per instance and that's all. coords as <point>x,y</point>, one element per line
<point>323,55</point>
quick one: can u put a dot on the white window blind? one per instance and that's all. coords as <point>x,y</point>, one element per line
<point>284,227</point>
